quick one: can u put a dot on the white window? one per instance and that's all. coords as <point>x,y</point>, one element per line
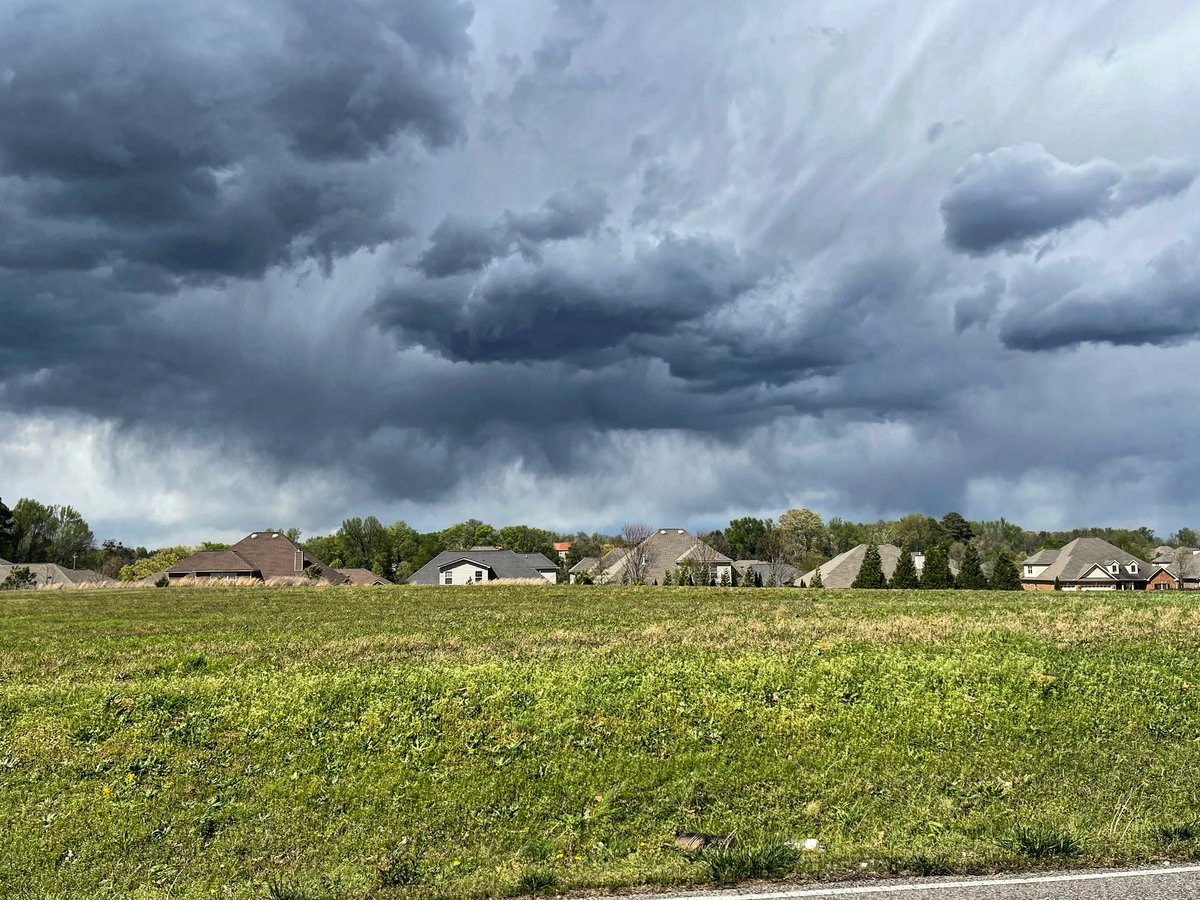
<point>1114,568</point>
<point>1133,568</point>
<point>479,574</point>
<point>1162,586</point>
<point>449,578</point>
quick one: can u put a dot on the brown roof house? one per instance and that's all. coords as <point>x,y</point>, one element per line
<point>364,577</point>
<point>262,556</point>
<point>841,571</point>
<point>1085,564</point>
<point>665,550</point>
<point>1174,568</point>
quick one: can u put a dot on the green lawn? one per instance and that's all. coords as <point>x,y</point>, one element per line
<point>472,742</point>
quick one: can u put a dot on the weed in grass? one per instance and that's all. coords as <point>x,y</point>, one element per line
<point>1178,832</point>
<point>281,890</point>
<point>401,868</point>
<point>747,860</point>
<point>1044,841</point>
<point>537,881</point>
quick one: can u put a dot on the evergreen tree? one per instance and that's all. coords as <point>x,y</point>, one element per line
<point>970,573</point>
<point>1004,574</point>
<point>6,533</point>
<point>1057,585</point>
<point>937,575</point>
<point>758,582</point>
<point>725,578</point>
<point>870,573</point>
<point>817,581</point>
<point>667,579</point>
<point>905,576</point>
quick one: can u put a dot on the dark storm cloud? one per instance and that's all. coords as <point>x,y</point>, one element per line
<point>1005,199</point>
<point>459,245</point>
<point>208,143</point>
<point>573,307</point>
<point>1163,308</point>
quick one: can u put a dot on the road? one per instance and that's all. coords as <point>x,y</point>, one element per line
<point>1162,883</point>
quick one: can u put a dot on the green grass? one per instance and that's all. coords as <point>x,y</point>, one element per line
<point>474,742</point>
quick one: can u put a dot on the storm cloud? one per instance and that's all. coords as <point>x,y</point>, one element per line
<point>576,263</point>
<point>1006,199</point>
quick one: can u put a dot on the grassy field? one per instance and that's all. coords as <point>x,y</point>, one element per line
<point>427,742</point>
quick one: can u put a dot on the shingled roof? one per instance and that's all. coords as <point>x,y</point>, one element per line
<point>664,550</point>
<point>261,554</point>
<point>500,563</point>
<point>841,571</point>
<point>52,573</point>
<point>1081,555</point>
<point>364,577</point>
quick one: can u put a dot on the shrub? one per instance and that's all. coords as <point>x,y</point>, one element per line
<point>163,582</point>
<point>313,572</point>
<point>19,578</point>
<point>537,881</point>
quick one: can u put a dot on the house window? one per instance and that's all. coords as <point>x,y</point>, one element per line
<point>1162,586</point>
<point>449,578</point>
<point>479,575</point>
<point>1133,568</point>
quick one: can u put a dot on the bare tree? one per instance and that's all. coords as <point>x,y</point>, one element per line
<point>775,552</point>
<point>635,561</point>
<point>1182,556</point>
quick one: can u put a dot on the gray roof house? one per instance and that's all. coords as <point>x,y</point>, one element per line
<point>1175,569</point>
<point>841,571</point>
<point>665,550</point>
<point>46,574</point>
<point>1085,564</point>
<point>588,564</point>
<point>484,564</point>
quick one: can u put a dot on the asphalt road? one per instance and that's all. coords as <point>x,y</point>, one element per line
<point>1164,883</point>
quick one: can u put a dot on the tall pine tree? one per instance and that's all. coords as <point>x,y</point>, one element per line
<point>817,580</point>
<point>870,573</point>
<point>936,575</point>
<point>905,576</point>
<point>970,573</point>
<point>1005,576</point>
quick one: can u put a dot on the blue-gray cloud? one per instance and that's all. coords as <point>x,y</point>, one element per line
<point>1008,198</point>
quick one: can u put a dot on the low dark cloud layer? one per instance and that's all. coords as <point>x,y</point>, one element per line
<point>1006,199</point>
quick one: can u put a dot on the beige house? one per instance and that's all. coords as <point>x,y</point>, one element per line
<point>481,564</point>
<point>665,550</point>
<point>1086,564</point>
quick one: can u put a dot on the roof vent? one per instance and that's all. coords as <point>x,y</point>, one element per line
<point>662,531</point>
<point>254,535</point>
<point>274,536</point>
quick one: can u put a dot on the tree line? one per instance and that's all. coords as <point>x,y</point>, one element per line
<point>36,532</point>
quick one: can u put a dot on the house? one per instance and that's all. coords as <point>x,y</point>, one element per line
<point>1086,564</point>
<point>1174,569</point>
<point>484,564</point>
<point>261,555</point>
<point>665,550</point>
<point>776,573</point>
<point>841,571</point>
<point>46,574</point>
<point>363,577</point>
<point>588,565</point>
<point>562,548</point>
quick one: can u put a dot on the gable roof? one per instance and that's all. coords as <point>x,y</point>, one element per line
<point>363,577</point>
<point>4,562</point>
<point>785,573</point>
<point>502,563</point>
<point>664,550</point>
<point>584,565</point>
<point>1083,554</point>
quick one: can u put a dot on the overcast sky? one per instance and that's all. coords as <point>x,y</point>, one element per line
<point>573,264</point>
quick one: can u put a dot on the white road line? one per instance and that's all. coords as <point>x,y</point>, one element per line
<point>938,886</point>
